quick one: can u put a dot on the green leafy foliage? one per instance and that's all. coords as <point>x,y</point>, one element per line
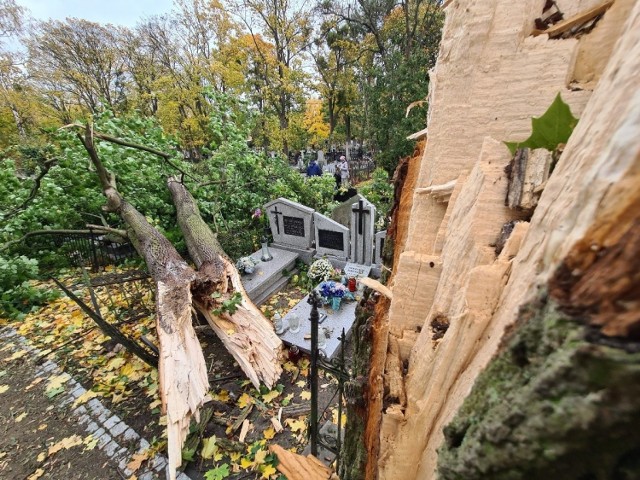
<point>18,295</point>
<point>218,473</point>
<point>379,191</point>
<point>229,306</point>
<point>553,128</point>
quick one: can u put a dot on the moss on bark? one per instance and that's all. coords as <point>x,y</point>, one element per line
<point>554,403</point>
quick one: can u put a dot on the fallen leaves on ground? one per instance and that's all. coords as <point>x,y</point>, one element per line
<point>137,459</point>
<point>65,443</point>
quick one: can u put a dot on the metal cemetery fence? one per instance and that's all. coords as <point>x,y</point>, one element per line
<point>330,439</point>
<point>115,300</point>
<point>78,248</point>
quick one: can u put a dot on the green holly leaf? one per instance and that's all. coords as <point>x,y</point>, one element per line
<point>218,473</point>
<point>554,127</point>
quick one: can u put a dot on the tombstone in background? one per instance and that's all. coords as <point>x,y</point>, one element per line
<point>379,246</point>
<point>363,217</point>
<point>292,227</point>
<point>332,238</point>
<point>321,160</point>
<point>342,213</point>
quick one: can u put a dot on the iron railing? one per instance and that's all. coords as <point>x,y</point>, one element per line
<point>330,439</point>
<point>78,249</point>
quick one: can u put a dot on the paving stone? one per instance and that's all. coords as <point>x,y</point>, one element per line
<point>104,439</point>
<point>104,416</point>
<point>79,390</point>
<point>95,406</point>
<point>144,445</point>
<point>93,427</point>
<point>85,419</point>
<point>111,448</point>
<point>146,476</point>
<point>98,433</point>
<point>80,411</point>
<point>130,435</point>
<point>118,429</point>
<point>112,421</point>
<point>159,462</point>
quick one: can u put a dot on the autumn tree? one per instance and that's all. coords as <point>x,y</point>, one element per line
<point>77,66</point>
<point>287,26</point>
<point>397,45</point>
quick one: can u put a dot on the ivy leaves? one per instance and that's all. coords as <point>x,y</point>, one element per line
<point>553,128</point>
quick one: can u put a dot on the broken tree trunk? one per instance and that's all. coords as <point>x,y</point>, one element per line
<point>182,371</point>
<point>246,333</point>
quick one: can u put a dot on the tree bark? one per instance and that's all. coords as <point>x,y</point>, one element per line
<point>246,333</point>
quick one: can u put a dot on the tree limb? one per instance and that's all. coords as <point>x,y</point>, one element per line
<point>46,166</point>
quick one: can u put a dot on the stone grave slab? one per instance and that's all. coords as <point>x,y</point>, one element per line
<point>379,246</point>
<point>332,320</point>
<point>267,277</point>
<point>291,223</point>
<point>332,239</point>
<point>363,217</point>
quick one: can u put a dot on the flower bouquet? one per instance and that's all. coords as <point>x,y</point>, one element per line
<point>333,292</point>
<point>246,264</point>
<point>320,271</point>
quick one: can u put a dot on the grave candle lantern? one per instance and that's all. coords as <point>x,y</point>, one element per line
<point>266,254</point>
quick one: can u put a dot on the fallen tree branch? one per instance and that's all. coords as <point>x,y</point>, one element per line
<point>182,371</point>
<point>246,333</point>
<point>46,166</point>
<point>126,143</point>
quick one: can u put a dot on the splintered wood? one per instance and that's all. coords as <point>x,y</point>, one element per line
<point>182,371</point>
<point>528,173</point>
<point>245,333</point>
<point>297,467</point>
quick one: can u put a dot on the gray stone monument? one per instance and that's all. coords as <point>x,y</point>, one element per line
<point>342,213</point>
<point>332,238</point>
<point>363,217</point>
<point>379,246</point>
<point>292,227</point>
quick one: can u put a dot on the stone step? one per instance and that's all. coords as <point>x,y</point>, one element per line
<point>268,283</point>
<point>267,276</point>
<point>274,288</point>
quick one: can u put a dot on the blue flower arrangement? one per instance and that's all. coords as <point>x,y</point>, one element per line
<point>330,289</point>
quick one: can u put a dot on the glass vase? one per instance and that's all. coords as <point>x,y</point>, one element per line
<point>335,303</point>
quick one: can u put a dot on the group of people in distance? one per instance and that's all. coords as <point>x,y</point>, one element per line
<point>341,172</point>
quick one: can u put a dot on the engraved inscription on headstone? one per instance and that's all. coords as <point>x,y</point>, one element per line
<point>293,226</point>
<point>330,239</point>
<point>354,270</point>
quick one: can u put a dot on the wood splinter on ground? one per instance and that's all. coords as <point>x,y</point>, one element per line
<point>297,467</point>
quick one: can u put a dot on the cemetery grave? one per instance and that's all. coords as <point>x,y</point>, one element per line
<point>241,418</point>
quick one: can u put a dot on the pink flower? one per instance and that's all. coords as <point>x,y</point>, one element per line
<point>257,213</point>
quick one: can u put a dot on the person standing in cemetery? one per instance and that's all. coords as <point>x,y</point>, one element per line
<point>343,166</point>
<point>314,170</point>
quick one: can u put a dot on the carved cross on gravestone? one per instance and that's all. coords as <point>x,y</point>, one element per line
<point>360,211</point>
<point>276,213</point>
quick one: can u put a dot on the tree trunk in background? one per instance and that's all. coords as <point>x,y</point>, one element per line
<point>522,364</point>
